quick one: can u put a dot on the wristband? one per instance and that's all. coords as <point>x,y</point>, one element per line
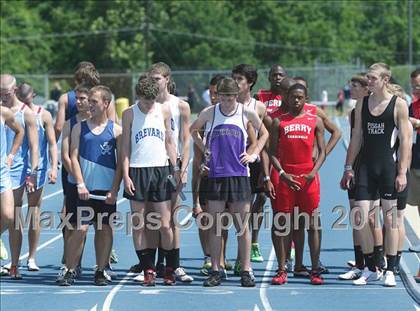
<point>348,167</point>
<point>81,185</point>
<point>266,178</point>
<point>281,172</point>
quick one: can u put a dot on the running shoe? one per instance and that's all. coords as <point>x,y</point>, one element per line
<point>100,278</point>
<point>289,265</point>
<point>214,279</point>
<point>182,276</point>
<point>149,278</point>
<point>323,269</point>
<point>68,278</point>
<point>14,273</point>
<point>316,278</point>
<point>136,268</point>
<point>61,274</point>
<point>255,253</point>
<point>351,263</point>
<point>3,251</point>
<point>31,264</point>
<point>139,277</point>
<point>111,273</point>
<point>280,278</point>
<point>247,280</point>
<point>223,274</point>
<point>169,278</point>
<point>389,280</point>
<point>301,272</point>
<point>3,271</point>
<point>368,276</point>
<point>205,269</point>
<point>353,274</point>
<point>114,257</point>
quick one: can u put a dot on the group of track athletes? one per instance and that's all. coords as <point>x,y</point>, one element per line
<point>246,149</point>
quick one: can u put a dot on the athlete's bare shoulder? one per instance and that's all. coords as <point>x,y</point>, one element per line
<point>5,112</point>
<point>261,109</point>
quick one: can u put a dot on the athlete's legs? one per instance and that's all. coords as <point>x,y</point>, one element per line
<point>257,215</point>
<point>34,205</point>
<point>16,232</point>
<point>240,211</point>
<point>376,228</point>
<point>215,208</point>
<point>391,231</point>
<point>103,245</point>
<point>299,241</point>
<point>224,243</point>
<point>75,245</point>
<point>314,239</point>
<point>138,218</point>
<point>165,230</point>
<point>6,210</point>
<point>358,254</point>
<point>204,234</point>
<point>280,235</point>
<point>65,230</point>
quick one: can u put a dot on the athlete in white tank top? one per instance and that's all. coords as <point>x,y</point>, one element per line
<point>148,138</point>
<point>173,104</point>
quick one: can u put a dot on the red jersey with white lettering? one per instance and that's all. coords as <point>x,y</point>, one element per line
<point>296,140</point>
<point>294,152</point>
<point>271,101</point>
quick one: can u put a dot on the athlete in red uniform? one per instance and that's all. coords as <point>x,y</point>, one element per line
<point>291,145</point>
<point>272,98</point>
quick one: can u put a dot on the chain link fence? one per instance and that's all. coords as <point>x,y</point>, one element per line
<point>191,84</point>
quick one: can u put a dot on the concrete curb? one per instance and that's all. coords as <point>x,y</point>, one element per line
<point>410,284</point>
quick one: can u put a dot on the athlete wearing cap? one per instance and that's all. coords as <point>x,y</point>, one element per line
<point>228,172</point>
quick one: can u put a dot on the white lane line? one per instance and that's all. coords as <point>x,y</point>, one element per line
<point>186,219</point>
<point>108,300</point>
<point>265,280</point>
<point>46,197</point>
<point>226,289</point>
<point>57,237</point>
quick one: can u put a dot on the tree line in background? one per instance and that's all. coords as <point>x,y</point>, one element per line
<point>125,35</point>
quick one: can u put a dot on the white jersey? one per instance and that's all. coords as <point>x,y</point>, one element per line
<point>252,105</point>
<point>173,104</point>
<point>148,138</point>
